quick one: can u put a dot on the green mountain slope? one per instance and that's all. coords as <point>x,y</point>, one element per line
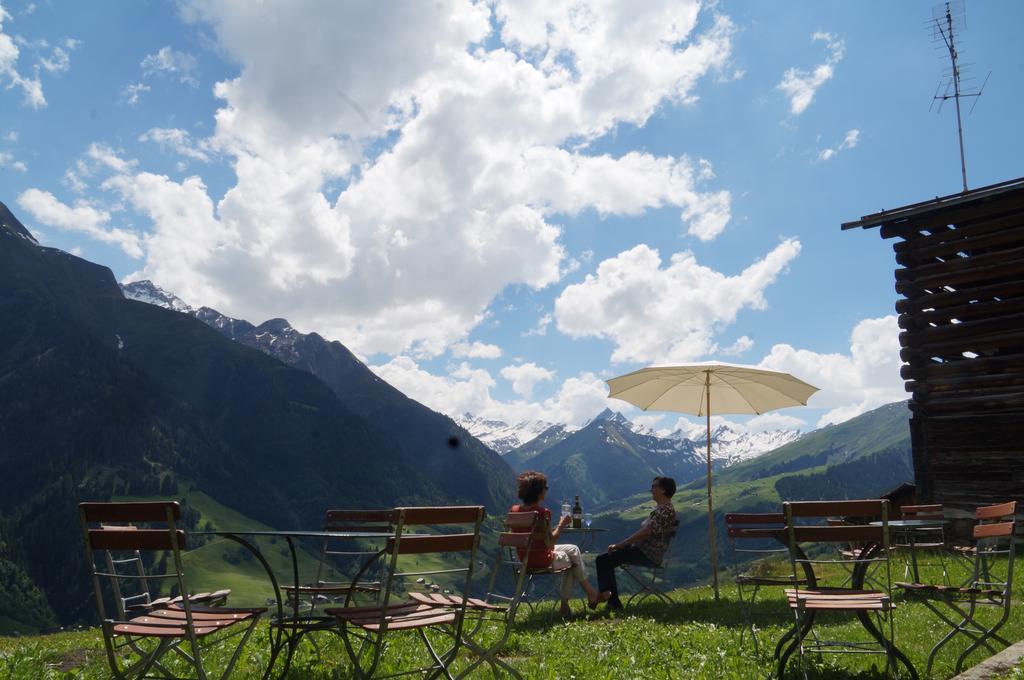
<point>102,396</point>
<point>861,458</point>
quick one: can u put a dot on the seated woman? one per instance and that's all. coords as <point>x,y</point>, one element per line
<point>533,487</point>
<point>646,546</point>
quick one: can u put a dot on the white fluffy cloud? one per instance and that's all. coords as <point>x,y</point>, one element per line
<point>670,314</point>
<point>30,86</point>
<point>801,85</point>
<point>468,390</point>
<point>849,142</point>
<point>475,350</point>
<point>525,376</point>
<point>851,384</point>
<point>132,93</point>
<point>418,166</point>
<point>83,218</point>
<point>176,140</point>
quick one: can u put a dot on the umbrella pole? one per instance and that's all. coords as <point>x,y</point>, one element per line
<point>711,513</point>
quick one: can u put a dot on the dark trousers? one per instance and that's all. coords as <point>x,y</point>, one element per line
<point>606,564</point>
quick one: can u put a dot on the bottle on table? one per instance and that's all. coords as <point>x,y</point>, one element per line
<point>577,514</point>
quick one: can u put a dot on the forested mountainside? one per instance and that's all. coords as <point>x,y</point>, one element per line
<point>101,396</point>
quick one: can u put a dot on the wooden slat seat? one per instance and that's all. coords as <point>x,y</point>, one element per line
<point>441,600</point>
<point>173,622</point>
<point>202,599</point>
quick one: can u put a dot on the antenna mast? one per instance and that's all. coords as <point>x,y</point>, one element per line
<point>947,20</point>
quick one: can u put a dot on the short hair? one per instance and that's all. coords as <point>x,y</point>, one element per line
<point>531,486</point>
<point>667,484</point>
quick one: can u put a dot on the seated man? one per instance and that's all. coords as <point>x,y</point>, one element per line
<point>647,545</point>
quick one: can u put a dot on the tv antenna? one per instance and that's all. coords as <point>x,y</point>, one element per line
<point>947,21</point>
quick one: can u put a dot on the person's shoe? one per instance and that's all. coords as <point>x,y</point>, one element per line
<point>614,605</point>
<point>601,597</point>
<point>565,611</point>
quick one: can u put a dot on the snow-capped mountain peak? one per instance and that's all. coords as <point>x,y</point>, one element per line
<point>502,436</point>
<point>150,293</point>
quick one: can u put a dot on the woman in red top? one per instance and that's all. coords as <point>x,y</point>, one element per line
<point>533,487</point>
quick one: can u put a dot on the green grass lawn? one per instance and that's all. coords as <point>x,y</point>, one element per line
<point>694,638</point>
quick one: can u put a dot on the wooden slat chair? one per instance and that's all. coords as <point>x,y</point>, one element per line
<point>991,585</point>
<point>521,530</point>
<point>807,602</point>
<point>652,581</point>
<point>541,536</point>
<point>131,586</point>
<point>759,536</point>
<point>363,554</point>
<point>364,628</point>
<point>138,642</point>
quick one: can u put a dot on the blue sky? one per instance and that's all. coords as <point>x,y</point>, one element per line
<point>498,205</point>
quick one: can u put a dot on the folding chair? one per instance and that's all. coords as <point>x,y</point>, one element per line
<point>651,579</point>
<point>991,585</point>
<point>364,629</point>
<point>758,536</point>
<point>806,603</point>
<point>137,643</point>
<point>521,529</point>
<point>916,539</point>
<point>129,576</point>
<point>540,533</point>
<point>339,555</point>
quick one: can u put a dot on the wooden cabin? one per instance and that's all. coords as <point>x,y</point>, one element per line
<point>960,278</point>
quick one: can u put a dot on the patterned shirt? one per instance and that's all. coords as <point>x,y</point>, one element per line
<point>662,522</point>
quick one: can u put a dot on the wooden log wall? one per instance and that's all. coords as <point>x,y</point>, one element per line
<point>961,278</point>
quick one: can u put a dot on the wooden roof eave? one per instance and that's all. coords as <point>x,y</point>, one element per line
<point>938,203</point>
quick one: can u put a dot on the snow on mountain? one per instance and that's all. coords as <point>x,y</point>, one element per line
<point>150,293</point>
<point>728,446</point>
<point>502,436</point>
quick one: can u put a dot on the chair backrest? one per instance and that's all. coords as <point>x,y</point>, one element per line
<point>754,535</point>
<point>129,529</point>
<point>459,548</point>
<point>808,522</point>
<point>521,531</point>
<point>934,511</point>
<point>347,550</point>
<point>994,533</point>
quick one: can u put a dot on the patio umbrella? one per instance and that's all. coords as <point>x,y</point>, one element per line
<point>702,388</point>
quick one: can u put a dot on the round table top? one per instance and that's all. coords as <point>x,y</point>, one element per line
<point>581,530</point>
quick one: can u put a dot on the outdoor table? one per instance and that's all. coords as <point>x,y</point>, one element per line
<point>910,527</point>
<point>789,641</point>
<point>289,629</point>
<point>587,536</point>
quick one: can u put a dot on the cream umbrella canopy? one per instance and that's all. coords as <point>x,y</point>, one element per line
<point>706,388</point>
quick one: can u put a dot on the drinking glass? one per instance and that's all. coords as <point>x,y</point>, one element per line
<point>566,509</point>
<point>587,519</point>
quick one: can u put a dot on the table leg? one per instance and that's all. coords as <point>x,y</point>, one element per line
<point>890,648</point>
<point>275,644</point>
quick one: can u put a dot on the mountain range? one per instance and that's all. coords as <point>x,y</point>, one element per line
<point>104,397</point>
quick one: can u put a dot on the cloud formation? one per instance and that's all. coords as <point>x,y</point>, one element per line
<point>525,376</point>
<point>849,142</point>
<point>83,218</point>
<point>854,383</point>
<point>801,85</point>
<point>670,314</point>
<point>180,66</point>
<point>420,164</point>
<point>31,86</point>
<point>468,390</point>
